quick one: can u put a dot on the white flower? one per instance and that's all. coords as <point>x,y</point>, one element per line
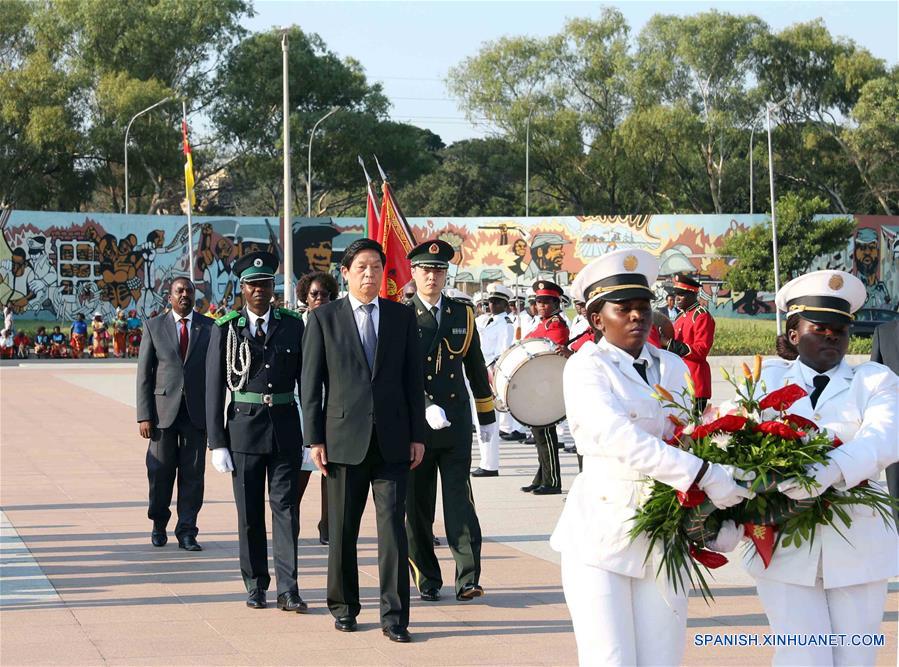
<point>688,429</point>
<point>721,440</point>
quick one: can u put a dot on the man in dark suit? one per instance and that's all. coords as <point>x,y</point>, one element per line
<point>256,353</point>
<point>366,431</point>
<point>450,349</point>
<point>885,350</point>
<point>171,413</point>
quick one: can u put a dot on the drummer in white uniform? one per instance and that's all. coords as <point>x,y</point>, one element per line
<point>837,582</point>
<point>497,333</point>
<point>622,614</point>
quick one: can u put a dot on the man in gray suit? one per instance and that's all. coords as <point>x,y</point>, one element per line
<point>885,350</point>
<point>171,412</point>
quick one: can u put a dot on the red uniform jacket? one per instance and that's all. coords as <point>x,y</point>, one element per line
<point>694,329</point>
<point>552,327</point>
<point>578,342</point>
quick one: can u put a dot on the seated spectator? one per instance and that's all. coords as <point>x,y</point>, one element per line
<point>21,342</point>
<point>7,346</point>
<point>41,342</point>
<point>58,347</point>
<point>79,336</point>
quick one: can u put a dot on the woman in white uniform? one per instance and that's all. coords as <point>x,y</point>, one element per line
<point>836,583</point>
<point>622,614</point>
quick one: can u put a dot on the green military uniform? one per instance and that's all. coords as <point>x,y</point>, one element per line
<point>450,350</point>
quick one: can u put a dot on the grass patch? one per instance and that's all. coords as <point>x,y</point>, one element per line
<point>735,336</point>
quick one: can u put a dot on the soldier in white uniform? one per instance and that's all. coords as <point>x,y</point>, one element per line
<point>623,614</point>
<point>837,582</point>
<point>497,332</point>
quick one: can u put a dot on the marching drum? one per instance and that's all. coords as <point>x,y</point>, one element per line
<point>527,382</point>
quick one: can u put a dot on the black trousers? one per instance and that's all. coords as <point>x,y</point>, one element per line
<point>348,487</point>
<point>463,530</point>
<point>177,452</point>
<point>282,470</point>
<point>547,441</point>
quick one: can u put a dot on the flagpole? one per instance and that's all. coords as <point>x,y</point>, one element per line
<point>190,232</point>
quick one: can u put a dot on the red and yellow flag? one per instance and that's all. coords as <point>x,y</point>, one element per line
<point>396,238</point>
<point>372,223</point>
<point>188,167</point>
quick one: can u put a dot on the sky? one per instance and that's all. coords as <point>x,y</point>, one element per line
<point>410,46</point>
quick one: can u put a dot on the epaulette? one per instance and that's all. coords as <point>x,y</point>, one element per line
<point>699,310</point>
<point>291,313</point>
<point>508,319</point>
<point>227,318</point>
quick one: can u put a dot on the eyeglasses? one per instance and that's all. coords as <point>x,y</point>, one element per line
<point>316,294</point>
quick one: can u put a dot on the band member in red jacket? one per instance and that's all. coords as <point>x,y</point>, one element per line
<point>548,479</point>
<point>694,334</point>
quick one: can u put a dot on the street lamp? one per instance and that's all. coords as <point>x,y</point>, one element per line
<point>333,110</point>
<point>769,109</point>
<point>127,130</point>
<point>527,167</point>
<point>287,227</point>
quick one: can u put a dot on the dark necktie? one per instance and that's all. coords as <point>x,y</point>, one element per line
<point>260,332</point>
<point>434,311</point>
<point>369,337</point>
<point>640,367</point>
<point>183,339</point>
<point>820,381</point>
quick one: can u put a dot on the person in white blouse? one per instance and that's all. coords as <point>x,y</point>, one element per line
<point>622,613</point>
<point>837,582</point>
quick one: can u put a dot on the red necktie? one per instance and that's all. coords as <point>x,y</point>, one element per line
<point>183,339</point>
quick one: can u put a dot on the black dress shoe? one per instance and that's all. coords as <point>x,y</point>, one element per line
<point>436,541</point>
<point>504,435</point>
<point>345,624</point>
<point>530,487</point>
<point>530,440</point>
<point>469,592</point>
<point>397,633</point>
<point>158,537</point>
<point>291,601</point>
<point>480,472</point>
<point>514,436</point>
<point>570,449</point>
<point>322,534</point>
<point>430,594</point>
<point>547,490</point>
<point>189,543</point>
<point>256,599</point>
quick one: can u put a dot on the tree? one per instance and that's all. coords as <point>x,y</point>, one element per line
<point>247,113</point>
<point>802,235</point>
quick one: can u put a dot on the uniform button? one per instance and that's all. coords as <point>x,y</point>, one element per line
<point>288,350</point>
<point>633,415</point>
<point>452,356</point>
<point>267,366</point>
<point>817,417</point>
<point>269,385</point>
<point>429,358</point>
<point>237,409</point>
<point>431,397</point>
<point>452,396</point>
<point>452,375</point>
<point>429,377</point>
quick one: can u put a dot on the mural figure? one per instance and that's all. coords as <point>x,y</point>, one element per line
<point>547,256</point>
<point>312,248</point>
<point>520,264</point>
<point>866,265</point>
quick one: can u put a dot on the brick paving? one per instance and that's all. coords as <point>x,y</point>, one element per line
<point>81,585</point>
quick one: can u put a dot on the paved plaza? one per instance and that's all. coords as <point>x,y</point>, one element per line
<point>81,584</point>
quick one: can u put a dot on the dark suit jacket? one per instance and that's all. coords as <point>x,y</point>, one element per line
<point>274,369</point>
<point>389,400</point>
<point>162,380</point>
<point>885,348</point>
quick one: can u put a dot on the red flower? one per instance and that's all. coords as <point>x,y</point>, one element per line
<point>727,424</point>
<point>781,399</point>
<point>779,429</point>
<point>693,497</point>
<point>800,422</point>
<point>710,559</point>
<point>836,441</point>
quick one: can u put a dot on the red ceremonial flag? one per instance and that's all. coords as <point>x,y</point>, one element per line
<point>396,238</point>
<point>763,537</point>
<point>372,223</point>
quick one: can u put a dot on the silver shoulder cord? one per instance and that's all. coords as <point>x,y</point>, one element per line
<point>234,354</point>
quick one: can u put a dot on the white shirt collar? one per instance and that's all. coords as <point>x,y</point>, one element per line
<point>356,304</point>
<point>189,317</point>
<point>809,374</point>
<point>265,318</point>
<point>621,356</point>
<point>428,305</point>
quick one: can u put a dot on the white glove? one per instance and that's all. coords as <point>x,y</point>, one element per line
<point>436,417</point>
<point>739,473</point>
<point>727,539</point>
<point>221,459</point>
<point>487,431</point>
<point>719,485</point>
<point>825,476</point>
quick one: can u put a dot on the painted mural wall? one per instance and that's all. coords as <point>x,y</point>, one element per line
<point>54,265</point>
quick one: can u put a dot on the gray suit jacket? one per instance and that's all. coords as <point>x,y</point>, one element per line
<point>885,346</point>
<point>163,381</point>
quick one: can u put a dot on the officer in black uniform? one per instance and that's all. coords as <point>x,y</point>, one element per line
<point>256,354</point>
<point>451,350</point>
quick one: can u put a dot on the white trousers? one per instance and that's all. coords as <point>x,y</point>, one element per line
<point>814,610</point>
<point>488,451</point>
<point>508,423</point>
<point>620,620</point>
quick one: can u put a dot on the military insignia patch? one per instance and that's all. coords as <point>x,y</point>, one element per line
<point>835,283</point>
<point>539,285</point>
<point>257,262</point>
<point>434,249</point>
<point>461,330</point>
<point>630,263</point>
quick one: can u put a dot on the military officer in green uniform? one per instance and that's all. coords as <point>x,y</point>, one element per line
<point>451,351</point>
<point>256,354</point>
